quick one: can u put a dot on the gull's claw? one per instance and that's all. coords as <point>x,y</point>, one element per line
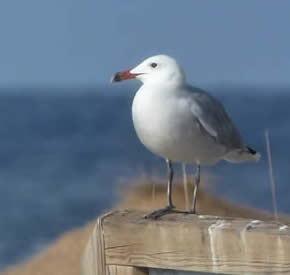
<point>161,212</point>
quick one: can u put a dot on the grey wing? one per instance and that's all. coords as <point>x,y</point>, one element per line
<point>214,119</point>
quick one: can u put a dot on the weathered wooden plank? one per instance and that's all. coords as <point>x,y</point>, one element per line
<point>196,243</point>
<point>126,270</point>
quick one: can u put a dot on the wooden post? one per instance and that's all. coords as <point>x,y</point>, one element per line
<point>93,261</point>
<point>123,242</point>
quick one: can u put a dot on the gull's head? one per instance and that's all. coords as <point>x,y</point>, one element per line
<point>155,69</point>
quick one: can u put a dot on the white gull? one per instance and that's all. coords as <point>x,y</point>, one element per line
<point>181,123</point>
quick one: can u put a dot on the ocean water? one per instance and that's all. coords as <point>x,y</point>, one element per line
<point>62,153</point>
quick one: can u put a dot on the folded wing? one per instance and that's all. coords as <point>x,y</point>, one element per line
<point>215,121</point>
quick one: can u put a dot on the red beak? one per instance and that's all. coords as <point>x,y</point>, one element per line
<point>123,75</point>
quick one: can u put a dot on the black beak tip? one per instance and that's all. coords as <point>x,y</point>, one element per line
<point>116,78</point>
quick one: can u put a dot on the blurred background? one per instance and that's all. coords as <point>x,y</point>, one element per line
<point>67,140</point>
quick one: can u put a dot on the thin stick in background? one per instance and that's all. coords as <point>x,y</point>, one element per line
<point>185,185</point>
<point>271,175</point>
<point>153,191</point>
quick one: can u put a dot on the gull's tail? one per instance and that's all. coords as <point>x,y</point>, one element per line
<point>242,155</point>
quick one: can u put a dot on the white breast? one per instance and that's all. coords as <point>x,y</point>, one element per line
<point>165,125</point>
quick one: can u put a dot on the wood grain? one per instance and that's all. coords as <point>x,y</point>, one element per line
<point>93,261</point>
<point>196,243</point>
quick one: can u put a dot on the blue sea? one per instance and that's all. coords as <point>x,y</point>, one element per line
<point>64,151</point>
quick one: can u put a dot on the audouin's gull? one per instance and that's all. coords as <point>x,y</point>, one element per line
<point>181,123</point>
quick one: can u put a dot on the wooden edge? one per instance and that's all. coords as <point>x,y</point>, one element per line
<point>93,261</point>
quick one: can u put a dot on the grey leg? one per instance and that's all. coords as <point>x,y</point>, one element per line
<point>169,184</point>
<point>170,207</point>
<point>196,182</point>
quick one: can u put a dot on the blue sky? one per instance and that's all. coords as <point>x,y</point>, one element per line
<point>77,42</point>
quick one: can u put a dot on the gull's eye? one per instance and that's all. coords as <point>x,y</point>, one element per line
<point>153,65</point>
